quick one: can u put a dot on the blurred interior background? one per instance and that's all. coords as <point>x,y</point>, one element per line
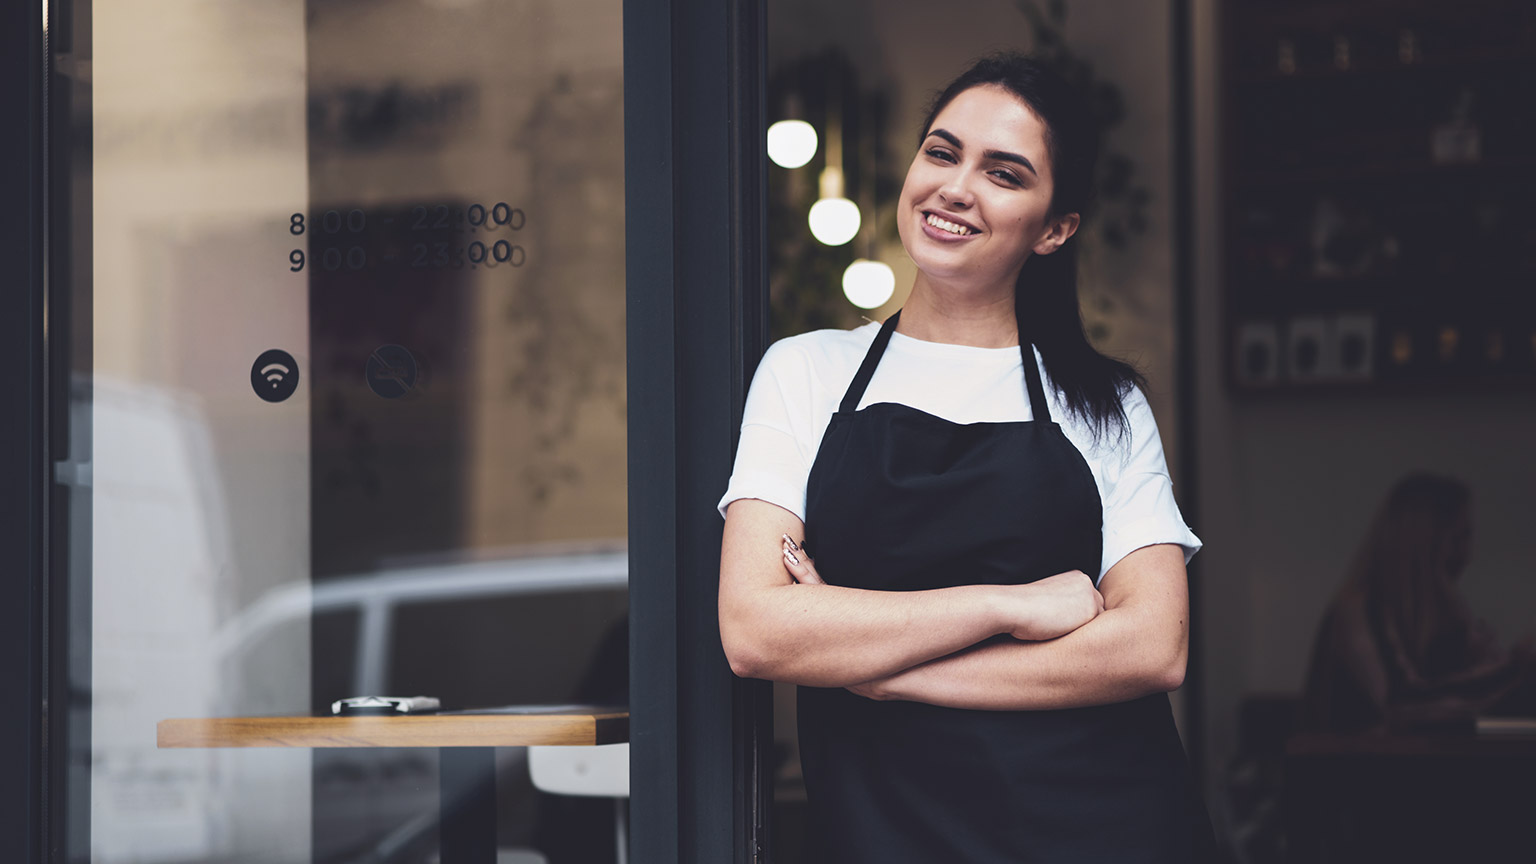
<point>1325,263</point>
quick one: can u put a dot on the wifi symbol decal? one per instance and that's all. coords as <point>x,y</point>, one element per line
<point>274,375</point>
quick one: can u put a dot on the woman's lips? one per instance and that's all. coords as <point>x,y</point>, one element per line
<point>945,229</point>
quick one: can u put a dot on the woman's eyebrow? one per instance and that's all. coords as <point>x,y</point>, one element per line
<point>947,136</point>
<point>1000,155</point>
<point>1005,156</point>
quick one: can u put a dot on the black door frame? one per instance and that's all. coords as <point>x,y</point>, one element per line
<point>1181,88</point>
<point>23,454</point>
<point>697,325</point>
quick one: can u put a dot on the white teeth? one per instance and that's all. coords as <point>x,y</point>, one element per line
<point>946,225</point>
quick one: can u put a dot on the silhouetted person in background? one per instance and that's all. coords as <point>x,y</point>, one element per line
<point>1399,649</point>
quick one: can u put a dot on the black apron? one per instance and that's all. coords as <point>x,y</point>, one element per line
<point>902,500</point>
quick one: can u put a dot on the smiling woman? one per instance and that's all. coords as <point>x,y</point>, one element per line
<point>973,209</point>
<point>989,602</point>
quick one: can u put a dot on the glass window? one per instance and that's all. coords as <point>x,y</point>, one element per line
<point>349,412</point>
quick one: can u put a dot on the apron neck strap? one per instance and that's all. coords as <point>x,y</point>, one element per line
<point>1039,408</point>
<point>855,390</point>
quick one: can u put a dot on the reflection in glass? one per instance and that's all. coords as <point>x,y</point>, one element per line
<point>416,206</point>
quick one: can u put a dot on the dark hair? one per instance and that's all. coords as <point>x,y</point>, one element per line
<point>1398,631</point>
<point>1408,564</point>
<point>1045,295</point>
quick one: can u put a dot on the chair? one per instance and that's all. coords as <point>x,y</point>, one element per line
<point>591,772</point>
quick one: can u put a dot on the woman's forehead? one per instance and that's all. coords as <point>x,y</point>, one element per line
<point>991,117</point>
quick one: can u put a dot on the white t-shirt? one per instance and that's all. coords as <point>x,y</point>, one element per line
<point>802,379</point>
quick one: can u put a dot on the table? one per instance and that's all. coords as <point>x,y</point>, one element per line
<point>1405,798</point>
<point>466,743</point>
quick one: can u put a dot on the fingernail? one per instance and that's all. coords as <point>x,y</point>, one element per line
<point>791,556</point>
<point>791,541</point>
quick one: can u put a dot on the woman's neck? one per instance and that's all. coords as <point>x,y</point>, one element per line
<point>980,322</point>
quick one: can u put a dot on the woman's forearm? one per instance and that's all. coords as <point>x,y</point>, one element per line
<point>806,632</point>
<point>831,636</point>
<point>1138,645</point>
<point>1113,658</point>
<point>780,621</point>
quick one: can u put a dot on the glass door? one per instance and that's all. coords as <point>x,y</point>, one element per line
<point>340,409</point>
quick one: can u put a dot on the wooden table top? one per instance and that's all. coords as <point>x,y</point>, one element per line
<point>507,728</point>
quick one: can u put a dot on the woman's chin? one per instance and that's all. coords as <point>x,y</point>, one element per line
<point>936,260</point>
<point>965,287</point>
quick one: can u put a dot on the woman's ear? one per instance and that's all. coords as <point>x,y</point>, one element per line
<point>1058,232</point>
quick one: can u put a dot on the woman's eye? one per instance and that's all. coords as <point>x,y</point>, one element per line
<point>941,153</point>
<point>1006,176</point>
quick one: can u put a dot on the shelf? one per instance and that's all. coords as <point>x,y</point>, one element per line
<point>1330,15</point>
<point>1390,387</point>
<point>1446,241</point>
<point>1391,169</point>
<point>1496,60</point>
<point>1405,291</point>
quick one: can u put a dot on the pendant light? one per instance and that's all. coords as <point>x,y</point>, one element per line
<point>868,283</point>
<point>791,143</point>
<point>834,220</point>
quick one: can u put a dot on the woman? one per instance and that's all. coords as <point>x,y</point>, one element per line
<point>997,604</point>
<point>1399,649</point>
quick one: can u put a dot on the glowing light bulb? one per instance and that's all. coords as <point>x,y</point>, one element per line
<point>791,143</point>
<point>834,221</point>
<point>868,284</point>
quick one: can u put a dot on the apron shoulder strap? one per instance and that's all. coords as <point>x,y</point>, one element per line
<point>856,389</point>
<point>1039,409</point>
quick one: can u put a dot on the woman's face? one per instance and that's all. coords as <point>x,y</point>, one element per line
<point>975,202</point>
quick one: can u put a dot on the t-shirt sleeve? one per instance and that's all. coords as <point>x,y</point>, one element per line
<point>1139,507</point>
<point>773,458</point>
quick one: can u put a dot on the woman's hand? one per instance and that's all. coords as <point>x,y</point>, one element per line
<point>1053,606</point>
<point>1136,645</point>
<point>1045,609</point>
<point>776,623</point>
<point>1040,610</point>
<point>803,569</point>
<point>799,564</point>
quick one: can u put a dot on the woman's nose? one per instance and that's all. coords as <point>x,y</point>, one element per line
<point>956,192</point>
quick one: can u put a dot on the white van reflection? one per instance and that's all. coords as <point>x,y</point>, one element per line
<point>546,627</point>
<point>183,625</point>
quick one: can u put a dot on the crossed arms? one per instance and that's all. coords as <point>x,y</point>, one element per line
<point>1070,644</point>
